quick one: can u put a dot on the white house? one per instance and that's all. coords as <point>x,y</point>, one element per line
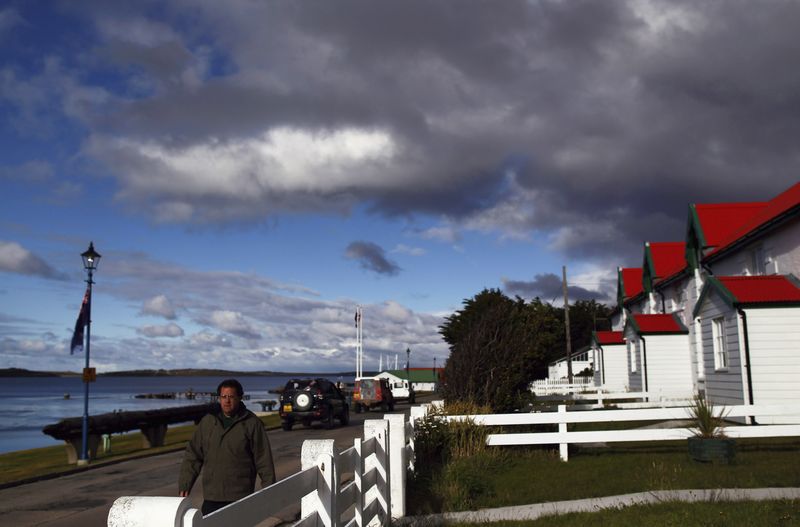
<point>751,340</point>
<point>609,357</point>
<point>581,360</point>
<point>422,379</point>
<point>658,356</point>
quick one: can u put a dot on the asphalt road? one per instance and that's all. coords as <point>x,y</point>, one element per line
<point>84,499</point>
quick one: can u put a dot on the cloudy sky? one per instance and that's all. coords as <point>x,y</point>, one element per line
<point>253,171</point>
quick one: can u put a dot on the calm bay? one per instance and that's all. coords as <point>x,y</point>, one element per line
<point>27,404</point>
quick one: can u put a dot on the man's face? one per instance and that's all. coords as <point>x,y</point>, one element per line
<point>228,400</point>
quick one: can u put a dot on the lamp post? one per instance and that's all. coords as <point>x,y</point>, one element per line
<point>90,260</point>
<point>408,366</point>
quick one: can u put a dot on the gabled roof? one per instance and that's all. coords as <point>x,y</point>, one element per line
<point>607,338</point>
<point>629,283</point>
<point>716,221</point>
<point>658,324</point>
<point>773,290</point>
<point>662,260</point>
<point>781,206</point>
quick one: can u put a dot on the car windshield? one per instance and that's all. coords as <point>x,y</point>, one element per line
<point>299,384</point>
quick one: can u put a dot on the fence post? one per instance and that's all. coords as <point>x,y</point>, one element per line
<point>563,448</point>
<point>397,463</point>
<point>379,429</point>
<point>320,453</point>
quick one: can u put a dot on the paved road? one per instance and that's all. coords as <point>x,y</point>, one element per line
<point>84,499</point>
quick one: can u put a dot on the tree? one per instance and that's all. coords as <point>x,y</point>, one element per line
<point>498,345</point>
<point>494,349</point>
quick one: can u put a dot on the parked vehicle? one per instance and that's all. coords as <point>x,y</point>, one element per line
<point>372,393</point>
<point>308,400</point>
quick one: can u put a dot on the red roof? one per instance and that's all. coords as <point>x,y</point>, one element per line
<point>609,337</point>
<point>658,323</point>
<point>631,281</point>
<point>668,258</point>
<point>761,289</point>
<point>780,204</point>
<point>719,220</point>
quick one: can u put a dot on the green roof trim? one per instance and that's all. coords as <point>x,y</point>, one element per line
<point>695,238</point>
<point>724,292</point>
<point>648,270</point>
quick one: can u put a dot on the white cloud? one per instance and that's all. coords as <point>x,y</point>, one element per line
<point>405,249</point>
<point>168,330</point>
<point>16,259</point>
<point>233,322</point>
<point>160,306</point>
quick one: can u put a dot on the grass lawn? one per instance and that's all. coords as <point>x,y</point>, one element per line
<point>722,514</point>
<point>524,475</point>
<point>38,462</point>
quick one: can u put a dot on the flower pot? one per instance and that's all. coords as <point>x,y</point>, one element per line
<point>712,449</point>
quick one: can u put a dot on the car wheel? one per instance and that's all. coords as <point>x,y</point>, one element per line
<point>384,407</point>
<point>303,401</point>
<point>329,419</point>
<point>358,408</point>
<point>286,424</point>
<point>391,407</point>
<point>307,423</point>
<point>345,417</point>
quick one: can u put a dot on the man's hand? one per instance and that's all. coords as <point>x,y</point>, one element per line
<point>183,493</point>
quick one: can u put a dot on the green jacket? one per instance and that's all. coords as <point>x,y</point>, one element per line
<point>230,458</point>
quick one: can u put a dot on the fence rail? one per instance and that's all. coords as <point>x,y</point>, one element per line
<point>564,438</point>
<point>375,495</point>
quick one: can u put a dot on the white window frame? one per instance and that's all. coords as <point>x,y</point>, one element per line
<point>720,341</point>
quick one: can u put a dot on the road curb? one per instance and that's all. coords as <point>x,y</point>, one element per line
<point>539,510</point>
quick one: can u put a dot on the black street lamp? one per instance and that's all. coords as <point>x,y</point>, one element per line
<point>90,260</point>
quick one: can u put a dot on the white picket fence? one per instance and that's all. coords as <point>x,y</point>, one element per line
<point>375,494</point>
<point>564,438</point>
<point>561,386</point>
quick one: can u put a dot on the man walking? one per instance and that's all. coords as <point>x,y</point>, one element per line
<point>231,446</point>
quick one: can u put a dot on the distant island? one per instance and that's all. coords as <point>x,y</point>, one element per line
<point>184,372</point>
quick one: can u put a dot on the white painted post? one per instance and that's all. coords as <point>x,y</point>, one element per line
<point>379,429</point>
<point>321,453</point>
<point>397,463</point>
<point>147,511</point>
<point>358,479</point>
<point>563,448</point>
<point>600,396</point>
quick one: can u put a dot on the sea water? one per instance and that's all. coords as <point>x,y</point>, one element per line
<point>28,404</point>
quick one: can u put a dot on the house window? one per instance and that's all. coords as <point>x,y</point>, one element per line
<point>720,343</point>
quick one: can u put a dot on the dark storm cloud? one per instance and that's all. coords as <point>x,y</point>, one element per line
<point>549,288</point>
<point>372,258</point>
<point>591,124</point>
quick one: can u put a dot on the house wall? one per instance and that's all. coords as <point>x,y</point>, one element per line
<point>781,250</point>
<point>558,370</point>
<point>723,387</point>
<point>634,377</point>
<point>774,336</point>
<point>669,367</point>
<point>616,368</point>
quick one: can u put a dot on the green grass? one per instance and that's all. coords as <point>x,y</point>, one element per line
<point>520,476</point>
<point>676,514</point>
<point>40,462</point>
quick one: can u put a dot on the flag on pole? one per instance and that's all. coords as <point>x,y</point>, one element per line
<point>83,319</point>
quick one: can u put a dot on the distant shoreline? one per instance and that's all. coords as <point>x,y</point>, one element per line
<point>187,372</point>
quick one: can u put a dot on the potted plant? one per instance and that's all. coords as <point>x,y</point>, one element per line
<point>709,443</point>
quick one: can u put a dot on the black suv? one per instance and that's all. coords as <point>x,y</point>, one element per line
<point>308,400</point>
